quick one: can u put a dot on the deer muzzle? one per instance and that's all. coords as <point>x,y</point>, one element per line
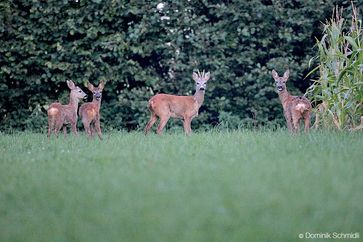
<point>98,96</point>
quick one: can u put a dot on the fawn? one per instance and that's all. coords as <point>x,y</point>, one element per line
<point>295,107</point>
<point>90,112</point>
<point>186,108</point>
<point>59,115</point>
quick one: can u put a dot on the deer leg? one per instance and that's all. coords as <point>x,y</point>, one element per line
<point>92,129</point>
<point>307,121</point>
<point>65,131</point>
<point>289,121</point>
<point>50,126</point>
<point>74,128</point>
<point>296,123</point>
<point>186,124</point>
<point>162,124</point>
<point>87,128</point>
<point>57,129</point>
<point>98,128</point>
<point>58,124</point>
<point>151,122</point>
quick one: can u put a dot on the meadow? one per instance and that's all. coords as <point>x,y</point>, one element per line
<point>212,186</point>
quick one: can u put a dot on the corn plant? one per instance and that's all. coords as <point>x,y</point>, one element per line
<point>338,92</point>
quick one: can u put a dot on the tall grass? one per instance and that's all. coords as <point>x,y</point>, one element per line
<point>340,84</point>
<point>213,186</point>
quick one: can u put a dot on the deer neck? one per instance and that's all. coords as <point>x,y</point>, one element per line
<point>284,97</point>
<point>97,103</point>
<point>199,97</point>
<point>73,103</point>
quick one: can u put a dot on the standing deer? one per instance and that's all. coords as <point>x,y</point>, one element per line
<point>186,108</point>
<point>90,112</point>
<point>295,107</point>
<point>59,115</point>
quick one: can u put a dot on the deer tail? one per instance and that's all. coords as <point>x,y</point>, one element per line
<point>151,104</point>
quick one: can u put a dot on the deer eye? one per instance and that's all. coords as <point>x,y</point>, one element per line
<point>79,91</point>
<point>198,83</point>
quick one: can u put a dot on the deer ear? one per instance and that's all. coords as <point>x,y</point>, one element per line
<point>207,76</point>
<point>101,85</point>
<point>286,75</point>
<point>71,84</point>
<point>90,86</point>
<point>274,74</point>
<point>195,76</point>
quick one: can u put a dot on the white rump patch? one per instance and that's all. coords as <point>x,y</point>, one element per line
<point>300,107</point>
<point>53,111</point>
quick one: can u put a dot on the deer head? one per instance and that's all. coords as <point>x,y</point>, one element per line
<point>201,80</point>
<point>280,81</point>
<point>96,91</point>
<point>76,92</point>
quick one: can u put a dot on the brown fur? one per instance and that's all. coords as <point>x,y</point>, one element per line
<point>59,115</point>
<point>90,112</point>
<point>164,106</point>
<point>295,107</point>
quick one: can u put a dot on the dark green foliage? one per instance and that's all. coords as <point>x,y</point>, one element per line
<point>141,50</point>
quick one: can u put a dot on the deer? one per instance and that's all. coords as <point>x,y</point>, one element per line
<point>59,115</point>
<point>295,107</point>
<point>164,106</point>
<point>90,112</point>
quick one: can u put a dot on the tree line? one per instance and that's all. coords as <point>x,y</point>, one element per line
<point>141,48</point>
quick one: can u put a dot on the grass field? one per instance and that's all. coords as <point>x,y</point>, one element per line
<point>214,186</point>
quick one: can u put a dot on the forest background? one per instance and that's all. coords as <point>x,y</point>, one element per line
<point>141,48</point>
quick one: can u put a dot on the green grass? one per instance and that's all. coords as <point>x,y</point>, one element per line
<point>214,186</point>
